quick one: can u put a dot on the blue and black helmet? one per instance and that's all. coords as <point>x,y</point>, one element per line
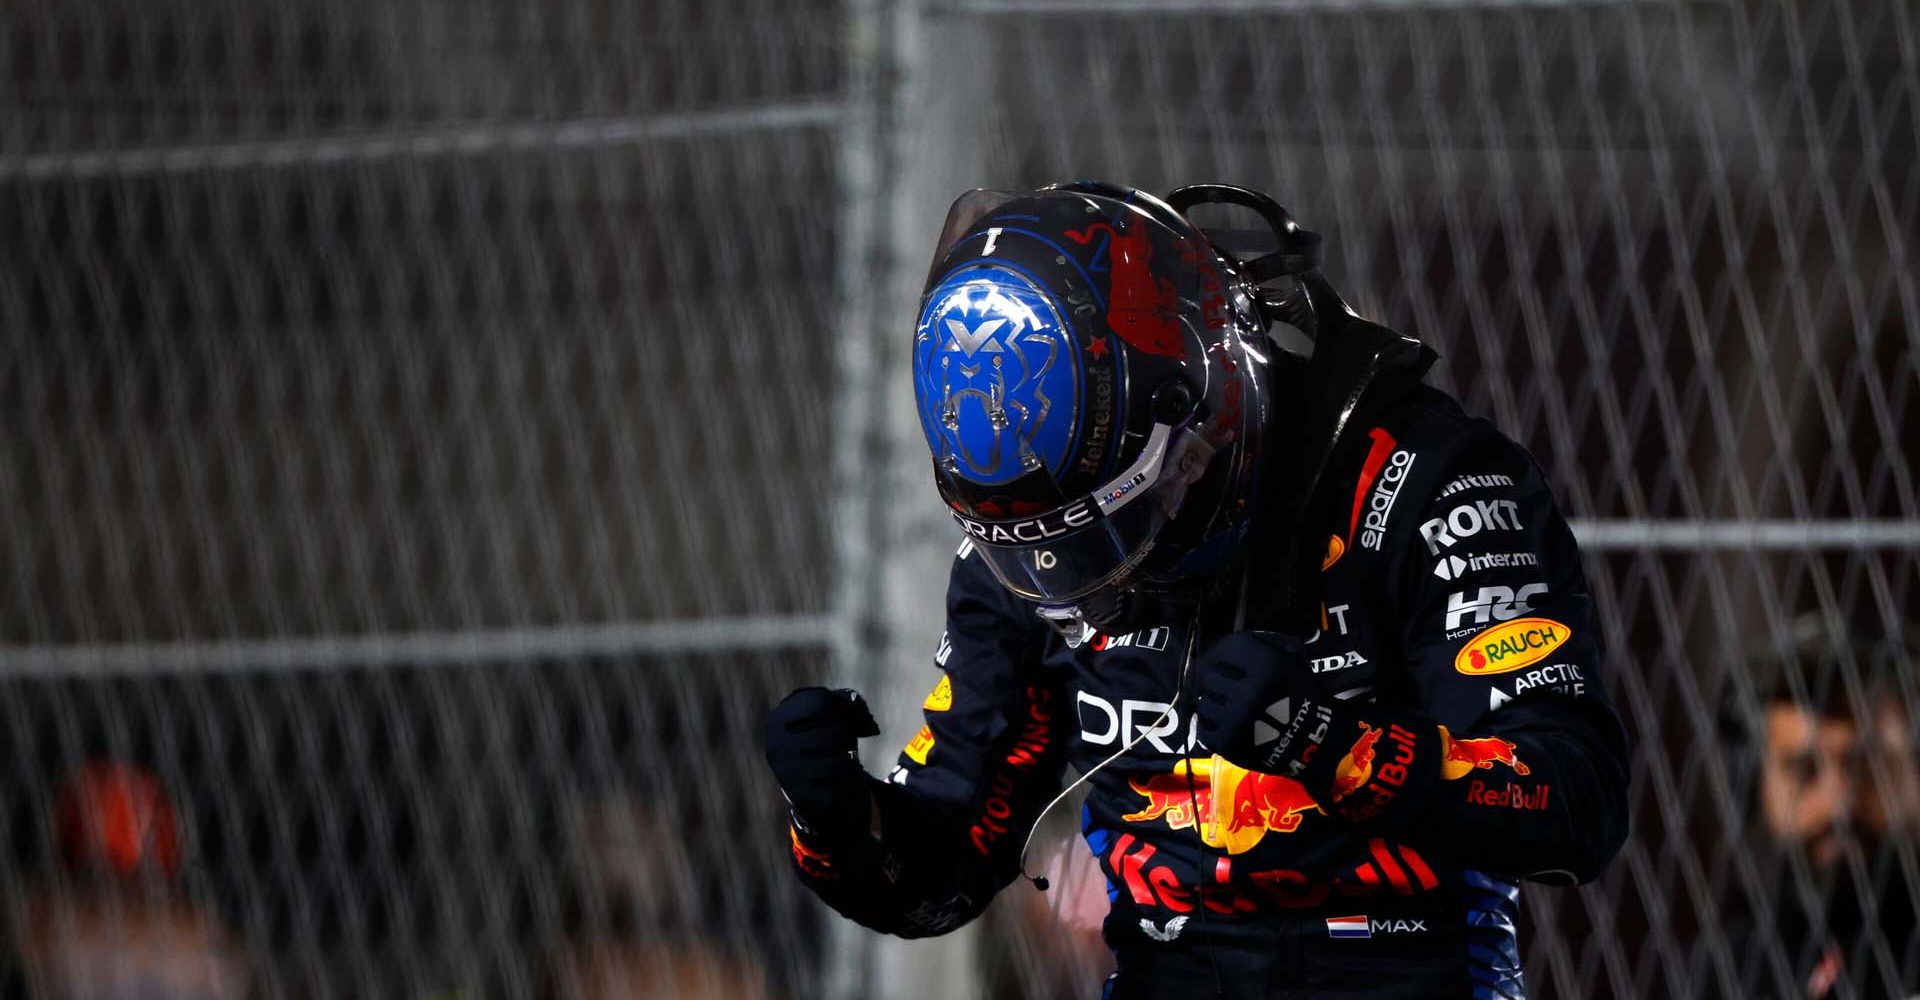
<point>1091,375</point>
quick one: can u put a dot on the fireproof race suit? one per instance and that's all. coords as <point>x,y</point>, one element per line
<point>1453,599</point>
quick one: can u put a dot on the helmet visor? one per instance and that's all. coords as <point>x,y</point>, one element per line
<point>1066,567</point>
<point>1077,548</point>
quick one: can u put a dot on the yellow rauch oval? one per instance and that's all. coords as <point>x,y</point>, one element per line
<point>1519,643</point>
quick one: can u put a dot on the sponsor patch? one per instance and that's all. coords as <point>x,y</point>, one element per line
<point>1028,531</point>
<point>1150,638</point>
<point>1170,931</point>
<point>1379,507</point>
<point>1489,604</point>
<point>1461,484</point>
<point>1461,757</point>
<point>1513,646</point>
<point>1230,807</point>
<point>1562,677</point>
<point>1102,723</point>
<point>1468,520</point>
<point>921,744</point>
<point>1335,549</point>
<point>940,698</point>
<point>1333,621</point>
<point>1339,661</point>
<point>1454,567</point>
<point>1511,797</point>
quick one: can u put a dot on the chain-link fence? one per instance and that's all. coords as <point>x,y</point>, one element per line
<point>430,435</point>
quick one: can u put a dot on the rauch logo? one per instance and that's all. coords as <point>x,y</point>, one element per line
<point>1503,648</point>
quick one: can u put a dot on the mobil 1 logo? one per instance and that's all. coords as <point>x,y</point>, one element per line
<point>1468,520</point>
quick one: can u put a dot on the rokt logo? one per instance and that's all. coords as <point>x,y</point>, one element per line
<point>1468,520</point>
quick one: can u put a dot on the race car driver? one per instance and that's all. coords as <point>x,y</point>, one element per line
<point>1319,642</point>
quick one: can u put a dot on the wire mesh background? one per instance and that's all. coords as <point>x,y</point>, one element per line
<point>424,427</point>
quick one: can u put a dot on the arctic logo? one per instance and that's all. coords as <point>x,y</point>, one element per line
<point>1168,933</point>
<point>1491,604</point>
<point>1454,567</point>
<point>971,341</point>
<point>1468,520</point>
<point>1380,501</point>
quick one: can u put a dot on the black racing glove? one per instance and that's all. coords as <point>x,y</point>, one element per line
<point>1258,706</point>
<point>811,741</point>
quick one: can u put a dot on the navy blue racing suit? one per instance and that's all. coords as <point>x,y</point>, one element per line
<point>1453,599</point>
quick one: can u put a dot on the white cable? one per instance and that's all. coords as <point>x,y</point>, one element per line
<point>1186,663</point>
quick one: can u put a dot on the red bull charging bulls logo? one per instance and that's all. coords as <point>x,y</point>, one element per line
<point>1357,766</point>
<point>1230,806</point>
<point>1462,757</point>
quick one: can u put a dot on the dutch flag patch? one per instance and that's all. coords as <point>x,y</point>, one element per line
<point>1348,927</point>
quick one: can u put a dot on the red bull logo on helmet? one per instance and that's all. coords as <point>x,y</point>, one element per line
<point>1143,309</point>
<point>1229,806</point>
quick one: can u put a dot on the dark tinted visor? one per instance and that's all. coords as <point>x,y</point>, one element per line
<point>1060,568</point>
<point>1079,547</point>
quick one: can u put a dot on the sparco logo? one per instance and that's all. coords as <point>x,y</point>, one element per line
<point>1491,604</point>
<point>1380,501</point>
<point>1052,524</point>
<point>1468,520</point>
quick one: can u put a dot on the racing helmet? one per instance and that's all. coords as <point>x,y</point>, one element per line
<point>1090,372</point>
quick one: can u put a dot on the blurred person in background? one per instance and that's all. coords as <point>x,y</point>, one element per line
<point>1835,786</point>
<point>1048,945</point>
<point>1320,642</point>
<point>632,926</point>
<point>117,922</point>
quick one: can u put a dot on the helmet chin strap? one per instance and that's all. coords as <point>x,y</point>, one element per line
<point>1115,611</point>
